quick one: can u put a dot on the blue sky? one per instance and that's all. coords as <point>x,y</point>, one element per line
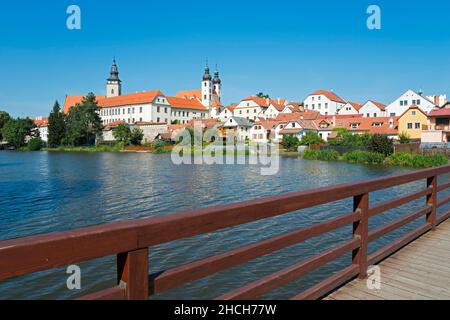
<point>285,48</point>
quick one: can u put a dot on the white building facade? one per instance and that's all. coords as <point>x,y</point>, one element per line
<point>325,102</point>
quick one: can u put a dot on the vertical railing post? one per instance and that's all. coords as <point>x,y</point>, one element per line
<point>432,201</point>
<point>132,273</point>
<point>361,231</point>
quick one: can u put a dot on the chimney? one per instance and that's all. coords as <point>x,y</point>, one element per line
<point>436,100</point>
<point>267,100</point>
<point>279,101</point>
<point>391,122</point>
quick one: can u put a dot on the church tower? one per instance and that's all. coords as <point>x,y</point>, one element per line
<point>113,85</point>
<point>217,84</point>
<point>207,88</point>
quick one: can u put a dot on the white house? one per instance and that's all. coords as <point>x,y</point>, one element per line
<point>349,108</point>
<point>263,130</point>
<point>42,125</point>
<point>373,109</point>
<point>251,108</point>
<point>151,106</point>
<point>298,128</point>
<point>274,109</point>
<point>226,112</point>
<point>325,102</point>
<point>240,127</point>
<point>406,100</point>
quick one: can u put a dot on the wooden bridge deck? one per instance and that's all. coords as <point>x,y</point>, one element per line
<point>419,271</point>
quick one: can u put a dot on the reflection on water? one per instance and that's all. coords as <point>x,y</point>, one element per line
<point>43,192</point>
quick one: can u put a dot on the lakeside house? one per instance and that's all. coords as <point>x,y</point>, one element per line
<point>42,126</point>
<point>263,119</point>
<point>437,129</point>
<point>411,122</point>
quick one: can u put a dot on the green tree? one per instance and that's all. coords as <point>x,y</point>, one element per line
<point>290,142</point>
<point>35,144</point>
<point>56,126</point>
<point>404,138</point>
<point>15,131</point>
<point>83,122</point>
<point>262,95</point>
<point>136,136</point>
<point>4,118</point>
<point>381,144</point>
<point>122,133</point>
<point>310,138</point>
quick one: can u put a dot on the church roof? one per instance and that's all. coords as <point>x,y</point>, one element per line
<point>123,100</point>
<point>180,103</point>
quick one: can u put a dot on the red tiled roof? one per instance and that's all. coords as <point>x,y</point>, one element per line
<point>123,100</point>
<point>41,121</point>
<point>189,94</point>
<point>330,95</point>
<point>439,112</point>
<point>355,105</point>
<point>180,103</point>
<point>264,102</point>
<point>379,105</point>
<point>145,123</point>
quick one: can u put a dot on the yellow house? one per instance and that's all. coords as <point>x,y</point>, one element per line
<point>411,122</point>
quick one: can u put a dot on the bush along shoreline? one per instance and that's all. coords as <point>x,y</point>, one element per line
<point>400,159</point>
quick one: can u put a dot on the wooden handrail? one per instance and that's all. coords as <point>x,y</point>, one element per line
<point>129,240</point>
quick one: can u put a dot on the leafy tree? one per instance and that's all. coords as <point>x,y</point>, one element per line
<point>381,144</point>
<point>262,95</point>
<point>136,136</point>
<point>310,138</point>
<point>15,131</point>
<point>4,118</point>
<point>122,133</point>
<point>290,142</point>
<point>404,138</point>
<point>56,126</point>
<point>35,144</point>
<point>83,122</point>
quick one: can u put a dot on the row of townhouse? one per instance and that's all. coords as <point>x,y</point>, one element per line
<point>329,103</point>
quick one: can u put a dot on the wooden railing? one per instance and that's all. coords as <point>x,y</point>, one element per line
<point>130,240</point>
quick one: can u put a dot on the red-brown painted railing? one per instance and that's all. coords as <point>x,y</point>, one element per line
<point>130,240</point>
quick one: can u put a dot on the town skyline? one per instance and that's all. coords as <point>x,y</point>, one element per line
<point>287,54</point>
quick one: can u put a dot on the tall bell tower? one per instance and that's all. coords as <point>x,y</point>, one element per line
<point>113,85</point>
<point>207,87</point>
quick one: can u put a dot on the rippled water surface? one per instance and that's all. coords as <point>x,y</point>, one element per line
<point>44,192</point>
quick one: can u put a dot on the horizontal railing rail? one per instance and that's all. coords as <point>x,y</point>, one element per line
<point>130,240</point>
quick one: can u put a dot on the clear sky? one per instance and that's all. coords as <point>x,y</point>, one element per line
<point>285,48</point>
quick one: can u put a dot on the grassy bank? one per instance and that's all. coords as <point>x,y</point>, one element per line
<point>399,159</point>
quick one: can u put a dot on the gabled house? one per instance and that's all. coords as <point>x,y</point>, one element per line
<point>373,109</point>
<point>437,129</point>
<point>406,100</point>
<point>325,102</point>
<point>239,127</point>
<point>226,112</point>
<point>349,108</point>
<point>412,121</point>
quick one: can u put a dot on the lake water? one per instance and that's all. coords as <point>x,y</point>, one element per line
<point>45,192</point>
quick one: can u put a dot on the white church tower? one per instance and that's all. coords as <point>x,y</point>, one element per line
<point>113,85</point>
<point>207,88</point>
<point>217,84</point>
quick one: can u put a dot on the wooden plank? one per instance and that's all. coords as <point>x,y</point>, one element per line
<point>168,279</point>
<point>133,273</point>
<point>322,288</point>
<point>432,201</point>
<point>360,231</point>
<point>381,231</point>
<point>36,253</point>
<point>443,187</point>
<point>114,293</point>
<point>282,277</point>
<point>398,244</point>
<point>391,204</point>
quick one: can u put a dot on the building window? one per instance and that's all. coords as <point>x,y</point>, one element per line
<point>157,109</point>
<point>410,125</point>
<point>157,119</point>
<point>165,110</point>
<point>140,109</point>
<point>140,119</point>
<point>417,125</point>
<point>418,102</point>
<point>413,112</point>
<point>392,114</point>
